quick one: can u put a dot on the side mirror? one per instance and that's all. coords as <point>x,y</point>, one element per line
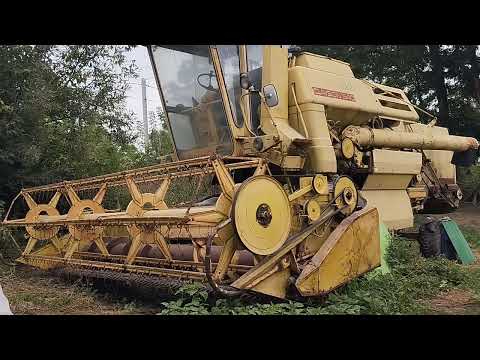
<point>245,82</point>
<point>271,96</point>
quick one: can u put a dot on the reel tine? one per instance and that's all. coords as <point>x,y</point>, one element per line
<point>163,246</point>
<point>134,249</point>
<point>71,247</point>
<point>72,195</point>
<point>101,245</point>
<point>57,244</point>
<point>226,257</point>
<point>162,191</point>
<point>54,201</point>
<point>30,245</point>
<point>29,200</point>
<point>133,190</point>
<point>100,194</point>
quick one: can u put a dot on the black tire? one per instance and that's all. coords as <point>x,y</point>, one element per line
<point>430,239</point>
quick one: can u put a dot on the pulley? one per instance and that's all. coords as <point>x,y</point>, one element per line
<point>261,214</point>
<point>345,194</point>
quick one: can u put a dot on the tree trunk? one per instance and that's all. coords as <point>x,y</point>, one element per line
<point>440,87</point>
<point>475,63</point>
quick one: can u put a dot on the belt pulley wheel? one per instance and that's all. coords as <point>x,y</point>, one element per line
<point>348,148</point>
<point>261,214</point>
<point>313,210</point>
<point>345,193</point>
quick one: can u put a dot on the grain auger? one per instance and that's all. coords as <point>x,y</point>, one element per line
<point>285,165</point>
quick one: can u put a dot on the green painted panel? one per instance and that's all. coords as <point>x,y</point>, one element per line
<point>385,239</point>
<point>461,246</point>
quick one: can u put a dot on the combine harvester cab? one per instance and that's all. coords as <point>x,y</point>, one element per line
<point>285,165</point>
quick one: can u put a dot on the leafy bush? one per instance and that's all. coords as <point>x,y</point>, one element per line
<point>468,179</point>
<point>471,235</point>
<point>412,279</point>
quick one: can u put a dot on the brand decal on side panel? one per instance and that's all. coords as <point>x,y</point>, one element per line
<point>333,94</point>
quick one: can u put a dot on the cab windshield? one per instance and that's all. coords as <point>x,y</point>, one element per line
<point>193,102</point>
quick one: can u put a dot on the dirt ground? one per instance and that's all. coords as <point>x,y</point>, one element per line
<point>455,302</point>
<point>35,293</point>
<point>460,302</point>
<point>32,292</point>
<point>467,215</point>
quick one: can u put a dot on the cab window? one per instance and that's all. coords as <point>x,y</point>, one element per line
<point>193,102</point>
<point>255,64</point>
<point>230,63</point>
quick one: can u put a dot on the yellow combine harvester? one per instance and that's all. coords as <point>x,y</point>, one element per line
<point>297,162</point>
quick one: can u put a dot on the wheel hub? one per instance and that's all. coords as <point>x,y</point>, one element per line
<point>261,214</point>
<point>264,215</point>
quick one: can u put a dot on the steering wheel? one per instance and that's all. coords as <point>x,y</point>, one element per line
<point>210,75</point>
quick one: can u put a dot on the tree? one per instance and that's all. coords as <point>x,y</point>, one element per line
<point>62,114</point>
<point>443,79</point>
<point>160,142</point>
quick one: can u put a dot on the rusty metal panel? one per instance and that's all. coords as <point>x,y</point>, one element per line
<point>351,250</point>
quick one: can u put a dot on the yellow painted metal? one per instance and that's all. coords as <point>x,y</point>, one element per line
<point>387,181</point>
<point>345,194</point>
<point>305,181</point>
<point>228,251</point>
<point>440,159</point>
<point>314,241</point>
<point>277,261</point>
<point>274,71</point>
<point>50,249</point>
<point>224,178</point>
<point>223,205</point>
<point>145,235</point>
<point>255,193</point>
<point>275,284</point>
<point>300,193</point>
<point>369,137</point>
<point>393,205</point>
<point>84,233</point>
<point>236,132</point>
<point>320,184</point>
<point>274,120</point>
<point>417,192</point>
<point>352,249</point>
<point>40,232</point>
<point>348,148</point>
<point>314,61</point>
<point>396,162</point>
<point>319,85</point>
<point>321,154</point>
<point>261,169</point>
<point>313,210</point>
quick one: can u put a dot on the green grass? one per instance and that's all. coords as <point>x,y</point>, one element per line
<point>471,235</point>
<point>405,290</point>
<point>412,282</point>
